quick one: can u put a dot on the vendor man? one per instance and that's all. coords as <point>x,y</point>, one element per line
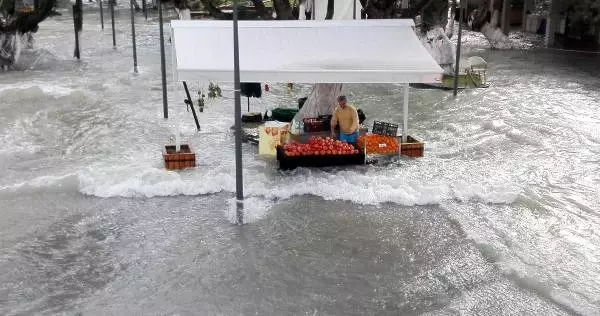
<point>346,116</point>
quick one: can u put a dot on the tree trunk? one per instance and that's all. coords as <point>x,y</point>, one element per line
<point>330,9</point>
<point>379,9</point>
<point>216,13</point>
<point>451,20</point>
<point>261,10</point>
<point>434,15</point>
<point>505,24</point>
<point>283,10</point>
<point>485,21</point>
<point>14,23</point>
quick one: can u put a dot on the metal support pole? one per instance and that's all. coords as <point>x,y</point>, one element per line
<point>248,104</point>
<point>101,15</point>
<point>191,104</point>
<point>405,114</point>
<point>354,9</point>
<point>458,43</point>
<point>524,16</point>
<point>76,16</point>
<point>135,65</point>
<point>111,3</point>
<point>163,69</point>
<point>505,24</point>
<point>549,38</point>
<point>145,8</point>
<point>239,181</point>
<point>77,25</point>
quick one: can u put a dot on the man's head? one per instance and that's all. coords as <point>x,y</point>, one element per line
<point>342,101</point>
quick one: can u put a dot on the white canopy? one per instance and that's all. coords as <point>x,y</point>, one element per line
<point>352,51</point>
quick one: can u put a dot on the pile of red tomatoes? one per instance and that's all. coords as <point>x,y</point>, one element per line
<point>318,146</point>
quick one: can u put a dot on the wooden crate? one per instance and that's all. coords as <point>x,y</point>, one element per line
<point>185,158</point>
<point>412,147</point>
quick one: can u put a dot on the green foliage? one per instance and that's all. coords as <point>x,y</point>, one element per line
<point>214,91</point>
<point>584,11</point>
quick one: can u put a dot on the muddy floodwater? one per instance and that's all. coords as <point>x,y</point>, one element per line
<point>501,216</point>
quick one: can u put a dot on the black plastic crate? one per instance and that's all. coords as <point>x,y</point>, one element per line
<point>385,129</point>
<point>316,125</point>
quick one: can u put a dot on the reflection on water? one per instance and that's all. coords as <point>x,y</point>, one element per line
<point>501,216</point>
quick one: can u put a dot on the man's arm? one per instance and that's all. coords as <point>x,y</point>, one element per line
<point>355,120</point>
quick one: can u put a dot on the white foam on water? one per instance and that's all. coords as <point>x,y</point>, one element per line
<point>495,125</point>
<point>131,181</point>
<point>33,93</point>
<point>41,107</point>
<point>66,182</point>
<point>492,193</point>
<point>149,181</point>
<point>349,185</point>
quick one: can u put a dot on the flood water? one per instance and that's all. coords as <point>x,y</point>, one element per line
<point>501,216</point>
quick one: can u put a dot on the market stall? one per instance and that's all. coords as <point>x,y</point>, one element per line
<point>347,51</point>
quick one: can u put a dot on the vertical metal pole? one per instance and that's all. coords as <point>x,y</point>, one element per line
<point>135,66</point>
<point>549,39</point>
<point>239,181</point>
<point>405,114</point>
<point>101,15</point>
<point>145,8</point>
<point>354,9</point>
<point>524,16</point>
<point>76,26</point>
<point>248,104</point>
<point>163,70</point>
<point>111,3</point>
<point>458,43</point>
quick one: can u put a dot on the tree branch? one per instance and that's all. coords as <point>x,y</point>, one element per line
<point>215,12</point>
<point>24,22</point>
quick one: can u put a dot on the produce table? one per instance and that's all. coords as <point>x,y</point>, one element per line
<point>288,163</point>
<point>318,152</point>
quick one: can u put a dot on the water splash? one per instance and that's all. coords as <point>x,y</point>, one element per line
<point>10,49</point>
<point>441,48</point>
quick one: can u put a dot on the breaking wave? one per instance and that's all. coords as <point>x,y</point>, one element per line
<point>348,185</point>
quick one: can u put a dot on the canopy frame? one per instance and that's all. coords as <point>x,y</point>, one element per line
<point>189,39</point>
<point>321,51</point>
